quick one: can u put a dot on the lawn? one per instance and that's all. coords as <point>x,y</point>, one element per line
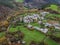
<point>33,35</point>
<point>30,35</point>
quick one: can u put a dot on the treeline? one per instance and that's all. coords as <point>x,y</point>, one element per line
<point>9,3</point>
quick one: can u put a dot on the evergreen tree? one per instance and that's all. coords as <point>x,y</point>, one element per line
<point>9,3</point>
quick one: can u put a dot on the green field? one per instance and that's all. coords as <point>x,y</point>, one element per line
<point>33,35</point>
<point>53,16</point>
<point>54,7</point>
<point>19,0</point>
<point>30,35</point>
<point>48,41</point>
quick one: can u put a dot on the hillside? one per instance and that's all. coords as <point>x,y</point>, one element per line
<point>40,3</point>
<point>29,22</point>
<point>19,0</point>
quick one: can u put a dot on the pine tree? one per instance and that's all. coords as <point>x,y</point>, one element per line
<point>9,3</point>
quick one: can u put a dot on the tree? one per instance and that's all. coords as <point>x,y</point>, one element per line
<point>9,3</point>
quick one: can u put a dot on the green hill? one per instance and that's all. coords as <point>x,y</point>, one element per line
<point>19,0</point>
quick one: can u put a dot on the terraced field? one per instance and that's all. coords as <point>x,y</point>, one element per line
<point>33,35</point>
<point>19,0</point>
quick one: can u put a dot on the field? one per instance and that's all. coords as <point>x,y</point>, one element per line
<point>48,41</point>
<point>33,35</point>
<point>30,35</point>
<point>19,0</point>
<point>54,7</point>
<point>37,25</point>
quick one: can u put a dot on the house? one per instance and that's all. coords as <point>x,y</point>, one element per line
<point>44,30</point>
<point>31,18</point>
<point>21,19</point>
<point>42,18</point>
<point>44,13</point>
<point>23,42</point>
<point>39,22</point>
<point>26,21</point>
<point>35,17</point>
<point>29,26</point>
<point>57,27</point>
<point>48,24</point>
<point>55,24</point>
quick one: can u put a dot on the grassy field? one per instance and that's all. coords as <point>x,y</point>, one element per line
<point>48,41</point>
<point>19,0</point>
<point>54,7</point>
<point>29,35</point>
<point>33,35</point>
<point>53,16</point>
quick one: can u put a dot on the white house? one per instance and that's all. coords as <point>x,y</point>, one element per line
<point>23,42</point>
<point>30,18</point>
<point>44,30</point>
<point>36,17</point>
<point>57,27</point>
<point>29,26</point>
<point>26,21</point>
<point>39,22</point>
<point>48,24</point>
<point>42,18</point>
<point>44,13</point>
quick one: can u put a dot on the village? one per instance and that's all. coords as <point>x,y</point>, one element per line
<point>20,25</point>
<point>28,19</point>
<point>36,22</point>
